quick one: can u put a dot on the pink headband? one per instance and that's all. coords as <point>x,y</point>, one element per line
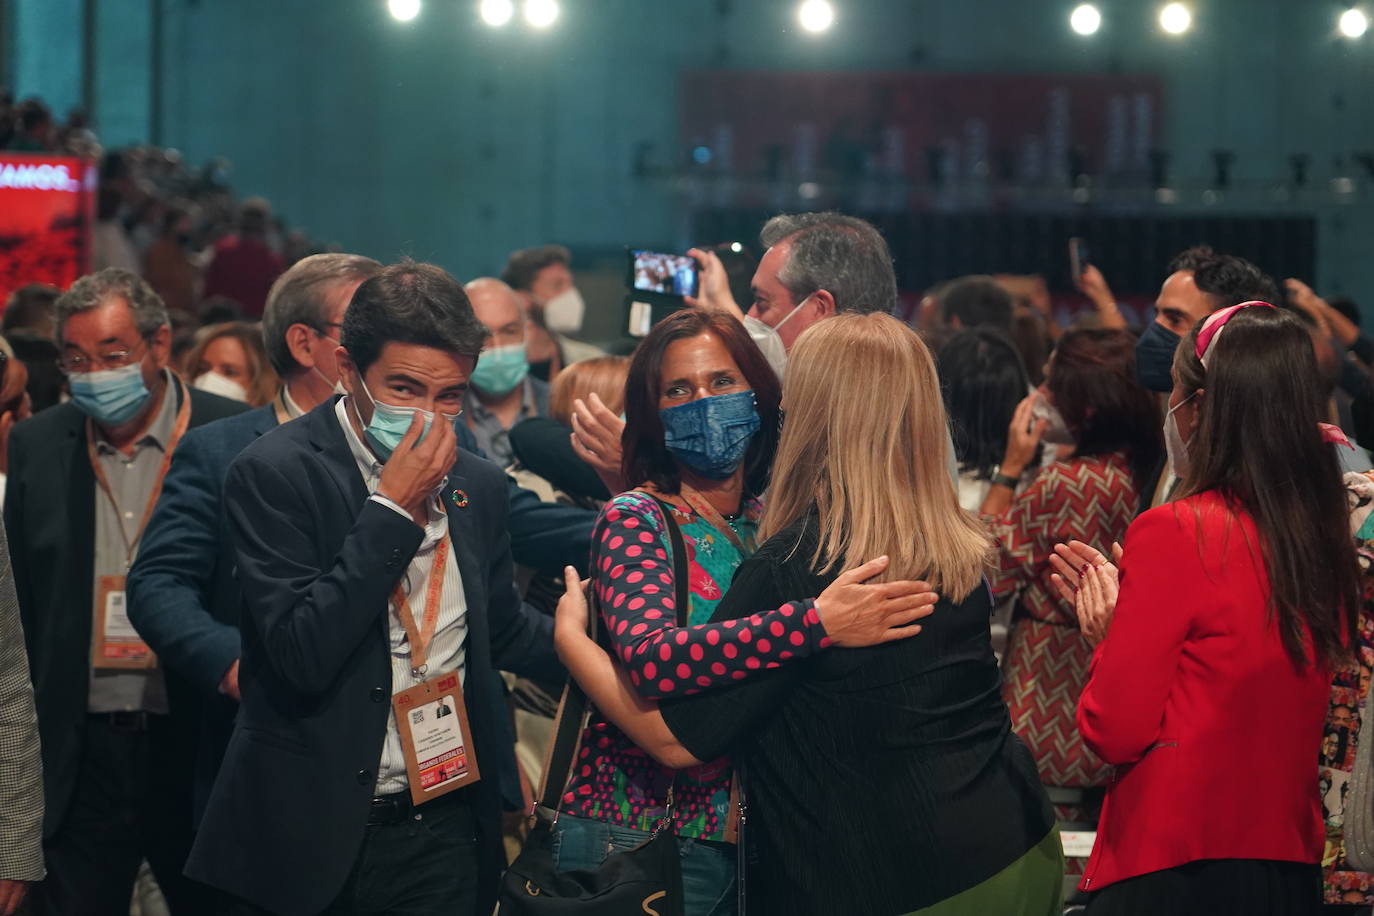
<point>1207,342</point>
<point>1211,328</point>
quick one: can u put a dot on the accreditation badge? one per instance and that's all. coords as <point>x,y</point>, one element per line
<point>436,739</point>
<point>117,643</point>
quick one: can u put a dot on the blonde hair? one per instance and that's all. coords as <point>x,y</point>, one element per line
<point>603,374</point>
<point>262,382</point>
<point>865,442</point>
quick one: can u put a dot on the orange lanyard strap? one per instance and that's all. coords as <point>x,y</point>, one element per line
<point>179,430</point>
<point>701,506</point>
<point>420,639</point>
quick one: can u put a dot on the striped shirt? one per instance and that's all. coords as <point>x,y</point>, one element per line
<point>448,650</point>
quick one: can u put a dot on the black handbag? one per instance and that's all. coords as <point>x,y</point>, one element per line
<point>636,882</point>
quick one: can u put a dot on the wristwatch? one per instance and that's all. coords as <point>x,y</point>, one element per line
<point>1004,480</point>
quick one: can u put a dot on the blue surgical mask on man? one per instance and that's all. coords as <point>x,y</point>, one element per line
<point>500,369</point>
<point>390,423</point>
<point>1154,358</point>
<point>112,397</point>
<point>711,435</point>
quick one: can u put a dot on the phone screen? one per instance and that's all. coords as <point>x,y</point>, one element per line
<point>666,274</point>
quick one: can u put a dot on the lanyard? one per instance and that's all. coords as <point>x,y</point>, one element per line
<point>420,639</point>
<point>279,407</point>
<point>702,506</point>
<point>183,420</point>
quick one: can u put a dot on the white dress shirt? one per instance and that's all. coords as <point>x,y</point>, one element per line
<point>448,650</point>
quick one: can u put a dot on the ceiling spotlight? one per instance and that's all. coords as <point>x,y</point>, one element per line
<point>1175,18</point>
<point>1085,19</point>
<point>403,10</point>
<point>541,13</point>
<point>1354,23</point>
<point>816,15</point>
<point>496,13</point>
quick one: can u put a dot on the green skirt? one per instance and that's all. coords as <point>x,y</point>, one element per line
<point>1033,885</point>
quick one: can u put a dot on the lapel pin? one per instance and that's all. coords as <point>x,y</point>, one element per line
<point>460,499</point>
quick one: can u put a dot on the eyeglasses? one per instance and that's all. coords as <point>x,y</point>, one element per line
<point>78,363</point>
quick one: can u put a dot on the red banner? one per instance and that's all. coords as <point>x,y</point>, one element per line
<point>47,210</point>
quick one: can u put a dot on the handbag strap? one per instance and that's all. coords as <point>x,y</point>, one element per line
<point>573,709</point>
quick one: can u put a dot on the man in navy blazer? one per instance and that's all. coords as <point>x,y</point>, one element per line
<point>183,596</point>
<point>336,517</point>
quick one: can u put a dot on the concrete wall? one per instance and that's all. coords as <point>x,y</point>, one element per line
<point>447,140</point>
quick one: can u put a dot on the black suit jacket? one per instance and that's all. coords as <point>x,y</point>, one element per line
<point>50,517</point>
<point>317,561</point>
<point>184,597</point>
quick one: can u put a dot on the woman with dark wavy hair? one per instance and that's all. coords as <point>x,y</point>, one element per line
<point>1105,427</point>
<point>1212,669</point>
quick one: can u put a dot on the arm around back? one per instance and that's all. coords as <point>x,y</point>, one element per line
<point>1121,711</point>
<point>310,620</point>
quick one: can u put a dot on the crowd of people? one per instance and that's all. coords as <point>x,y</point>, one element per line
<point>874,610</point>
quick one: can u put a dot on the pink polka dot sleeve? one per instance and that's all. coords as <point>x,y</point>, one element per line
<point>634,581</point>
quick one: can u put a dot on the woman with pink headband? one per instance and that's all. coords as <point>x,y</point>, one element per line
<point>1215,641</point>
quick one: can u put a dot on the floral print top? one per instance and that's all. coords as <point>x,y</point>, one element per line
<point>614,781</point>
<point>1349,705</point>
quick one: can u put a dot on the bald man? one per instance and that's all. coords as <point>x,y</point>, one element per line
<point>501,391</point>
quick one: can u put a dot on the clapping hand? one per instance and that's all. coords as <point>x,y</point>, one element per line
<point>1087,580</point>
<point>596,440</point>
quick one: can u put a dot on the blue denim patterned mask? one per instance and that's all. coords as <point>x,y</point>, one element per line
<point>711,435</point>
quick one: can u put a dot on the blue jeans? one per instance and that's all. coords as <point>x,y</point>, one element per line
<point>708,867</point>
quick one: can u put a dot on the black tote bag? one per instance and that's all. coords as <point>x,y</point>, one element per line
<point>636,882</point>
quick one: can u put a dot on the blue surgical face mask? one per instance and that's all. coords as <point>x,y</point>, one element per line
<point>1154,358</point>
<point>390,423</point>
<point>112,397</point>
<point>711,435</point>
<point>500,369</point>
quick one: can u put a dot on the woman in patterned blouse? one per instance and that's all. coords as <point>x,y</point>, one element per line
<point>702,423</point>
<point>1107,428</point>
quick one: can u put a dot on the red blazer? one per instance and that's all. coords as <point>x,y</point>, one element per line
<point>1213,730</point>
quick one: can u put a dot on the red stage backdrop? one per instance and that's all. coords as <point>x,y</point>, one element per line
<point>999,126</point>
<point>47,210</point>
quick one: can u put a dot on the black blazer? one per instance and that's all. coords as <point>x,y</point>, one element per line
<point>50,516</point>
<point>894,765</point>
<point>317,561</point>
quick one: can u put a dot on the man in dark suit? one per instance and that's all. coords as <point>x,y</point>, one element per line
<point>183,597</point>
<point>342,521</point>
<point>83,477</point>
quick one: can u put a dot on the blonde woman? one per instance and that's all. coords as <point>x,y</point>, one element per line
<point>883,780</point>
<point>230,360</point>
